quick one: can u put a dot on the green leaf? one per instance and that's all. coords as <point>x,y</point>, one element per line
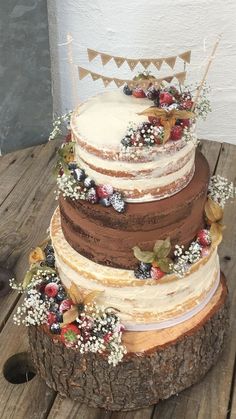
<point>162,248</point>
<point>27,279</point>
<point>142,255</point>
<point>165,264</point>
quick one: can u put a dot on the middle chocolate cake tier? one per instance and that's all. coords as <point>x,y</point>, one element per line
<point>107,237</point>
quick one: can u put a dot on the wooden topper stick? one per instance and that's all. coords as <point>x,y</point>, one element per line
<point>73,69</point>
<point>212,56</point>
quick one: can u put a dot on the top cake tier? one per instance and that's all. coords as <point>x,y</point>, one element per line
<point>141,174</point>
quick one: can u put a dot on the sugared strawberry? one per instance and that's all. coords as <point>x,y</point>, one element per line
<point>187,104</point>
<point>69,334</point>
<point>65,305</point>
<point>204,238</point>
<point>166,98</point>
<point>139,93</point>
<point>156,273</point>
<point>104,191</point>
<point>176,133</point>
<point>51,289</point>
<point>185,123</point>
<point>205,251</point>
<point>51,318</point>
<point>154,120</point>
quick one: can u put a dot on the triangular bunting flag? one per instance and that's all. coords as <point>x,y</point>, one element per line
<point>180,77</point>
<point>145,63</point>
<point>144,83</point>
<point>170,61</point>
<point>132,63</point>
<point>95,76</point>
<point>106,81</point>
<point>157,63</point>
<point>82,72</point>
<point>186,56</point>
<point>168,79</point>
<point>105,58</point>
<point>119,61</point>
<point>92,54</point>
<point>119,82</point>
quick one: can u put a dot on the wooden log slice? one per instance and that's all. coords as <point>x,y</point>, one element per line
<point>174,360</point>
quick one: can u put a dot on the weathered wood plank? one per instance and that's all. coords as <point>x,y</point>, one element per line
<point>211,150</point>
<point>211,396</point>
<point>66,409</point>
<point>136,414</point>
<point>25,215</point>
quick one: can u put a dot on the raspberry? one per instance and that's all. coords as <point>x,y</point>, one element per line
<point>104,191</point>
<point>166,98</point>
<point>65,305</point>
<point>51,289</point>
<point>176,133</point>
<point>139,93</point>
<point>204,238</point>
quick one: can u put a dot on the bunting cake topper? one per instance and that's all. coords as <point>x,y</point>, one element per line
<point>133,62</point>
<point>83,72</point>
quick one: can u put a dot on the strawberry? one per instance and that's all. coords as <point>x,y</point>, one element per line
<point>176,133</point>
<point>69,334</point>
<point>51,318</point>
<point>187,104</point>
<point>139,93</point>
<point>104,191</point>
<point>204,238</point>
<point>51,289</point>
<point>65,305</point>
<point>156,273</point>
<point>154,120</point>
<point>166,98</point>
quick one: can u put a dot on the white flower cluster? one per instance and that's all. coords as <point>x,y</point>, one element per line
<point>33,311</point>
<point>58,125</point>
<point>69,187</point>
<point>101,331</point>
<point>185,258</point>
<point>220,190</point>
<point>189,134</point>
<point>203,106</point>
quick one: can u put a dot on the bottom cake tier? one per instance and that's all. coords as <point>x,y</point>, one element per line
<point>158,364</point>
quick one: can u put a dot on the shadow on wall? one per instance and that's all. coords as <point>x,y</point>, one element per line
<point>25,75</point>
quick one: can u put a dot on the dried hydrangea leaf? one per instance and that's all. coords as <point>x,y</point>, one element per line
<point>143,256</point>
<point>162,248</point>
<point>92,296</point>
<point>37,255</point>
<point>216,233</point>
<point>70,316</point>
<point>214,212</point>
<point>75,295</point>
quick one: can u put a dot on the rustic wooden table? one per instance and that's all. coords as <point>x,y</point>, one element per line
<point>26,204</point>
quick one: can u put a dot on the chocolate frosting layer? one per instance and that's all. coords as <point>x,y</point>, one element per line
<point>107,237</point>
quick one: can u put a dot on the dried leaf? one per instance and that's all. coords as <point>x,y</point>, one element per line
<point>92,296</point>
<point>213,211</point>
<point>37,255</point>
<point>27,279</point>
<point>165,264</point>
<point>70,316</point>
<point>216,233</point>
<point>162,248</point>
<point>142,255</point>
<point>75,295</point>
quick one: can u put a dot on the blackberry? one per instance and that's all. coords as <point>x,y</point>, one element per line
<point>72,166</point>
<point>157,99</point>
<point>105,202</point>
<point>92,196</point>
<point>141,274</point>
<point>126,141</point>
<point>127,91</point>
<point>61,295</point>
<point>147,134</point>
<point>55,328</point>
<point>152,93</point>
<point>80,307</point>
<point>50,260</point>
<point>117,202</point>
<point>59,317</point>
<point>89,183</point>
<point>48,249</point>
<point>145,267</point>
<point>79,175</point>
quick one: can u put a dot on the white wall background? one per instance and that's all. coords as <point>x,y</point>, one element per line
<point>153,28</point>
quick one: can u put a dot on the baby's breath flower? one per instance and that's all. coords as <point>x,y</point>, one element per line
<point>221,190</point>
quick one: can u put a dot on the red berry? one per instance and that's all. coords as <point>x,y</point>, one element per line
<point>156,273</point>
<point>51,289</point>
<point>185,123</point>
<point>104,191</point>
<point>69,334</point>
<point>65,305</point>
<point>204,238</point>
<point>166,98</point>
<point>51,318</point>
<point>68,138</point>
<point>205,251</point>
<point>154,120</point>
<point>176,133</point>
<point>139,93</point>
<point>187,104</point>
<point>107,337</point>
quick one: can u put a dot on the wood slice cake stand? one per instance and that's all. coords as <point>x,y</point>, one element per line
<point>158,364</point>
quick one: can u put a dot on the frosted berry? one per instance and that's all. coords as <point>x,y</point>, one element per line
<point>50,260</point>
<point>166,98</point>
<point>156,273</point>
<point>176,133</point>
<point>55,328</point>
<point>65,305</point>
<point>152,93</point>
<point>126,141</point>
<point>145,266</point>
<point>187,104</point>
<point>127,91</point>
<point>69,334</point>
<point>61,296</point>
<point>204,238</point>
<point>79,175</point>
<point>105,202</point>
<point>89,183</point>
<point>51,318</point>
<point>117,202</point>
<point>185,123</point>
<point>103,191</point>
<point>141,274</point>
<point>138,93</point>
<point>48,249</point>
<point>92,196</point>
<point>51,289</point>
